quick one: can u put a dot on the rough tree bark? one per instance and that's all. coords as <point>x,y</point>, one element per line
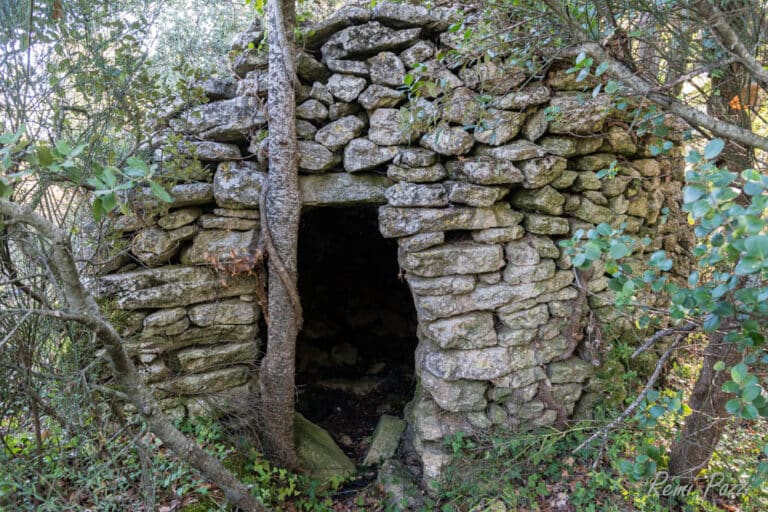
<point>280,225</point>
<point>82,308</point>
<point>690,453</point>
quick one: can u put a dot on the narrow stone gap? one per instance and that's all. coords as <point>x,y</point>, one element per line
<point>355,355</point>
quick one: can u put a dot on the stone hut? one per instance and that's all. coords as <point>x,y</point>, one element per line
<point>429,242</point>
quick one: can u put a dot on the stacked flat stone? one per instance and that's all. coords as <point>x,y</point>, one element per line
<point>479,176</point>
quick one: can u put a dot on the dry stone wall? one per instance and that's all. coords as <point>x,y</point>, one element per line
<point>478,177</point>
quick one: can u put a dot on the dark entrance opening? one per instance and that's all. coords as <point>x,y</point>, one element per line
<point>355,355</point>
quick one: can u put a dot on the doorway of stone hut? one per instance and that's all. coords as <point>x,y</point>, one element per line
<point>355,354</point>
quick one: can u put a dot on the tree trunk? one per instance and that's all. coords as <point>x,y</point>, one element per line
<point>703,427</point>
<point>83,309</point>
<point>280,225</point>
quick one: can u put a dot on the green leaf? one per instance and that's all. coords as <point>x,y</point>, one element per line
<point>619,250</point>
<point>109,202</point>
<point>714,148</point>
<point>739,373</point>
<point>747,266</point>
<point>733,405</point>
<point>159,192</point>
<point>693,192</point>
<point>592,251</point>
<point>602,68</point>
<point>97,209</point>
<point>612,87</point>
<point>44,155</point>
<point>751,392</point>
<point>757,246</point>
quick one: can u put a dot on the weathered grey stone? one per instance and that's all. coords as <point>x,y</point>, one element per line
<point>362,154</point>
<point>460,258</point>
<point>339,20</point>
<point>388,128</point>
<point>155,371</point>
<point>197,359</point>
<point>367,39</point>
<point>240,214</point>
<point>474,195</point>
<point>619,140</point>
<point>522,253</point>
<point>247,61</point>
<point>223,120</point>
<point>590,212</point>
<point>346,87</point>
<point>409,194</point>
<point>570,370</point>
<point>441,79</point>
<point>206,383</point>
<point>417,174</point>
<point>544,200</point>
<point>418,53</point>
<point>396,222</point>
<point>542,171</point>
<point>218,88</point>
<point>421,241</point>
<point>378,96</point>
<point>321,93</point>
<point>579,115</point>
<point>544,246</point>
<point>318,454</point>
<point>526,319</point>
<point>529,274</point>
<point>238,184</point>
<point>312,110</point>
<point>497,127</point>
<point>513,152</point>
<point>485,171</point>
<point>498,235</point>
<point>178,218</point>
<point>612,187</point>
<point>443,285</point>
<point>477,364</point>
<point>461,107</point>
<point>566,180</point>
<point>386,69</point>
<point>470,331</point>
<point>536,126</point>
<point>514,337</point>
<point>402,15</point>
<point>218,245</point>
<point>204,150</point>
<point>493,77</point>
<point>456,396</point>
<point>596,197</point>
<point>415,157</point>
<point>310,69</point>
<point>340,189</point>
<point>448,140</point>
<point>349,67</point>
<point>315,157</point>
<point>339,110</point>
<point>545,225</point>
<point>534,94</point>
<point>483,297</point>
<point>647,167</point>
<point>305,130</point>
<point>384,440</point>
<point>228,312</point>
<point>229,223</point>
<point>570,146</point>
<point>572,203</point>
<point>520,379</point>
<point>154,246</point>
<point>255,83</point>
<point>490,277</point>
<point>184,194</point>
<point>164,317</point>
<point>400,490</point>
<point>594,162</point>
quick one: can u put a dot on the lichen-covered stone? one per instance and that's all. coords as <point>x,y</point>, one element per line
<point>534,94</point>
<point>474,195</point>
<point>205,383</point>
<point>217,245</point>
<point>402,15</point>
<point>341,109</point>
<point>367,39</point>
<point>410,194</point>
<point>514,274</point>
<point>395,222</point>
<point>228,312</point>
<point>449,259</point>
<point>544,200</point>
<point>461,107</point>
<point>542,171</point>
<point>456,396</point>
<point>514,151</point>
<point>569,146</point>
<point>418,53</point>
<point>309,68</point>
<point>485,171</point>
<point>339,20</point>
<point>415,157</point>
<point>178,218</point>
<point>590,212</point>
<point>545,225</point>
<point>154,246</point>
<point>389,129</point>
<point>448,140</point>
<point>362,154</point>
<point>222,120</point>
<point>442,285</point>
<point>348,67</point>
<point>428,174</point>
<point>570,370</point>
<point>497,127</point>
<point>477,364</point>
<point>197,359</point>
<point>496,236</point>
<point>342,189</point>
<point>321,93</point>
<point>229,223</point>
<point>421,241</point>
<point>386,69</point>
<point>346,87</point>
<point>378,96</point>
<point>315,157</point>
<point>493,77</point>
<point>575,114</point>
<point>384,440</point>
<point>312,110</point>
<point>470,331</point>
